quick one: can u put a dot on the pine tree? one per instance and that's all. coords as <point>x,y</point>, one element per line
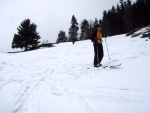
<point>120,14</point>
<point>27,36</point>
<point>84,30</point>
<point>61,37</point>
<point>119,20</point>
<point>113,20</point>
<point>147,11</point>
<point>100,22</point>
<point>73,31</point>
<point>91,27</point>
<point>106,23</point>
<point>96,22</point>
<point>140,13</point>
<point>128,13</point>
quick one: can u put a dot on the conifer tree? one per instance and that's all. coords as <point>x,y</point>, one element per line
<point>73,30</point>
<point>84,30</point>
<point>91,27</point>
<point>61,37</point>
<point>95,22</point>
<point>27,36</point>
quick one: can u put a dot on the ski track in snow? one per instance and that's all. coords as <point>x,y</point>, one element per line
<point>57,80</point>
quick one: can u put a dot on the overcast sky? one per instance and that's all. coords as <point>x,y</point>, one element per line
<point>51,16</point>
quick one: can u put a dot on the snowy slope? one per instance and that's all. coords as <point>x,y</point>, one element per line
<point>56,80</point>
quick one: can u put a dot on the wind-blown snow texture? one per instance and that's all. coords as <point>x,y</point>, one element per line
<point>56,80</point>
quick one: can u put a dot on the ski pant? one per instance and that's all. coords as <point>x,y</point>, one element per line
<point>98,50</point>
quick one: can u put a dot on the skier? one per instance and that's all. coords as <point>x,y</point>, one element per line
<point>73,40</point>
<point>96,38</point>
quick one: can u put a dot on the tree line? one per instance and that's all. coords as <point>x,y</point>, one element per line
<point>126,17</point>
<point>121,19</point>
<point>86,28</point>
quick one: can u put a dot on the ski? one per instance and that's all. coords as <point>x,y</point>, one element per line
<point>112,66</point>
<point>116,65</point>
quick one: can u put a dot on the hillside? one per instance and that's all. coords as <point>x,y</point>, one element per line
<point>56,80</point>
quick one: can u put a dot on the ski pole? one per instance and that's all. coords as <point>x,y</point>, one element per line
<point>107,48</point>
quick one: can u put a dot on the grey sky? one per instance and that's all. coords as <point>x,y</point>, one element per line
<point>51,16</point>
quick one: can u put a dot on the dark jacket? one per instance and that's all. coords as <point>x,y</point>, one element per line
<point>94,33</point>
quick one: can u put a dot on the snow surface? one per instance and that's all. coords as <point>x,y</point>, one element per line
<point>56,80</point>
